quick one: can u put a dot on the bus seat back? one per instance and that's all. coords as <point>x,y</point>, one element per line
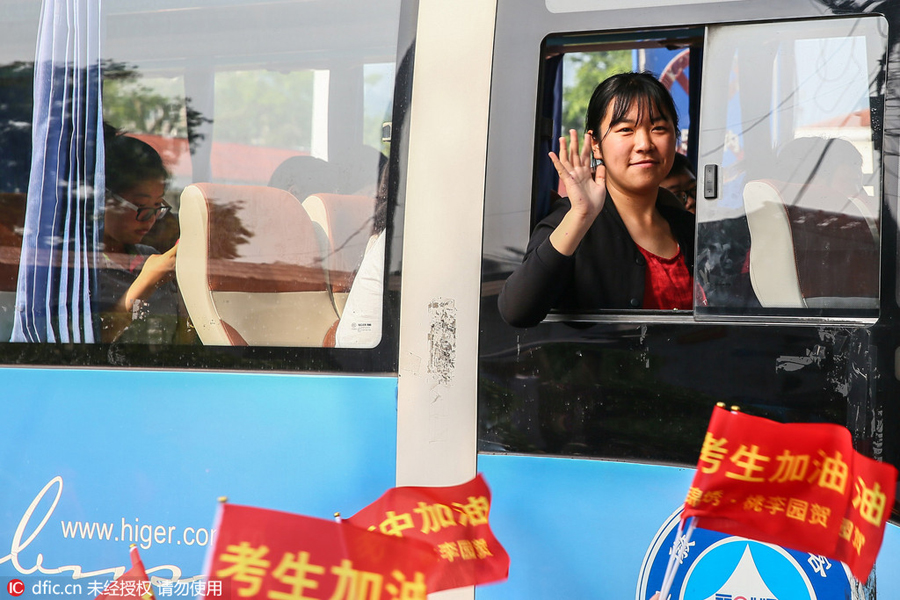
<point>343,225</point>
<point>810,248</point>
<point>249,267</point>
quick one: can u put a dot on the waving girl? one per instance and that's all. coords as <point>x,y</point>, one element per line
<point>618,241</point>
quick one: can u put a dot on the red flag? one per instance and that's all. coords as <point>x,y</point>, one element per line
<point>261,553</point>
<point>799,485</point>
<point>132,584</point>
<point>454,520</point>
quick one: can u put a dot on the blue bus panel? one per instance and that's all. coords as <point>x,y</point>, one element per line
<point>95,461</point>
<point>603,529</point>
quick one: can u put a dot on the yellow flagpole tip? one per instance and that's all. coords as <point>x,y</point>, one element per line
<point>223,499</point>
<point>720,404</point>
<point>736,408</point>
<point>130,546</point>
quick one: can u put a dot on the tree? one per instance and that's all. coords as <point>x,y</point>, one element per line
<point>263,108</point>
<point>130,104</point>
<point>17,102</point>
<point>590,68</point>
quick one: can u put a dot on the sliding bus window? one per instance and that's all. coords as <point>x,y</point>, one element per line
<point>789,208</point>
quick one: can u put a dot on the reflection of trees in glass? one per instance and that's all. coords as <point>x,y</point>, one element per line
<point>281,115</point>
<point>230,230</point>
<point>590,68</point>
<point>16,104</point>
<point>136,107</point>
<point>132,105</point>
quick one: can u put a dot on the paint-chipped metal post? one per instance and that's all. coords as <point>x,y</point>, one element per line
<point>437,430</point>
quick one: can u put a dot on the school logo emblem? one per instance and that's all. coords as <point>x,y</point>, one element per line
<point>717,566</point>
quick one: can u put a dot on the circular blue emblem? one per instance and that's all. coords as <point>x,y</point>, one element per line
<point>717,566</point>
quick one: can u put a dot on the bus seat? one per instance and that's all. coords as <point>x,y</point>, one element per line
<point>343,226</point>
<point>809,247</point>
<point>249,267</point>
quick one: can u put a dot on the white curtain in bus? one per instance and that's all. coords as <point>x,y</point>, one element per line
<point>63,216</point>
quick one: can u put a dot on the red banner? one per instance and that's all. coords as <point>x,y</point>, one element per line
<point>799,485</point>
<point>133,583</point>
<point>454,520</point>
<point>261,553</point>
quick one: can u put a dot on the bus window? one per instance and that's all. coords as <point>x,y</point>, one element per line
<point>265,220</point>
<point>573,66</point>
<point>790,188</point>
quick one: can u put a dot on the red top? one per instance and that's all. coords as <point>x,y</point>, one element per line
<point>667,283</point>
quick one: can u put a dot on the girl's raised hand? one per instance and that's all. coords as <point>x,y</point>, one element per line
<point>586,190</point>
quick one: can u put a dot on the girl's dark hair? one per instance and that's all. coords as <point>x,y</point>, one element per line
<point>681,165</point>
<point>620,92</point>
<point>129,161</point>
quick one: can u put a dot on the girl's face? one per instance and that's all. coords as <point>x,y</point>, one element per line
<point>120,222</point>
<point>637,152</point>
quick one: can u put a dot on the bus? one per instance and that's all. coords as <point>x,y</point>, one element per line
<point>305,141</point>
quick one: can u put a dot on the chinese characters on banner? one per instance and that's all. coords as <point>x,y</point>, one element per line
<point>134,583</point>
<point>273,555</point>
<point>454,520</point>
<point>799,485</point>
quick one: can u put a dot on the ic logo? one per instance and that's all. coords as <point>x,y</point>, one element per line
<point>15,587</point>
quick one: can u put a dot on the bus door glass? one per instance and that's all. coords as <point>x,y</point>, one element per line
<point>789,182</point>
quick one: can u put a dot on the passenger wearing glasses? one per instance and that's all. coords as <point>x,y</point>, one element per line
<point>682,182</point>
<point>135,280</point>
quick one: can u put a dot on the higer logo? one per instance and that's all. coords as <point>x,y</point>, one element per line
<point>739,597</point>
<point>15,587</point>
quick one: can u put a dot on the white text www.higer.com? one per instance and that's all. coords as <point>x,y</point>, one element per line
<point>135,532</point>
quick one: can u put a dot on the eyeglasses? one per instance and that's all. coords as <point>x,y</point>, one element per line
<point>683,195</point>
<point>144,213</point>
